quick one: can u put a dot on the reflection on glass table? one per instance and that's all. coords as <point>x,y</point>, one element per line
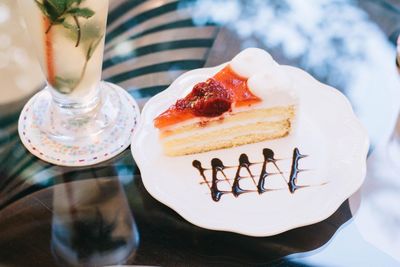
<point>92,223</point>
<point>148,44</point>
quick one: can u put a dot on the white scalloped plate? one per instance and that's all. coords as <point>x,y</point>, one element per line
<point>327,131</point>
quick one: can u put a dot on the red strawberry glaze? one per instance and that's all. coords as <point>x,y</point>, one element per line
<point>209,99</point>
<point>51,77</point>
<point>242,96</point>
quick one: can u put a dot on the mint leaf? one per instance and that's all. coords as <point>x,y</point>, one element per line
<point>65,86</point>
<point>69,26</point>
<point>69,3</point>
<point>81,12</point>
<point>58,10</point>
<point>42,8</point>
<point>92,47</point>
<point>90,31</point>
<point>52,13</point>
<point>59,20</point>
<point>75,32</point>
<point>58,5</point>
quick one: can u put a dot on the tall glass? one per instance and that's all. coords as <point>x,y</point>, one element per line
<point>68,36</point>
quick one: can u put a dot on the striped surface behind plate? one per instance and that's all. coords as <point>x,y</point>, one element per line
<point>152,43</point>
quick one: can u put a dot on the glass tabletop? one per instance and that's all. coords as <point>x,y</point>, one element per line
<point>102,215</point>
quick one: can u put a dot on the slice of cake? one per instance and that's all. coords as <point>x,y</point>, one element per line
<point>249,100</point>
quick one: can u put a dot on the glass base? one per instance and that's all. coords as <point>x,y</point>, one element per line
<point>79,136</point>
<point>75,124</point>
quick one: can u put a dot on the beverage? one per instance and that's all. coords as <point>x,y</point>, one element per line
<point>77,120</point>
<point>68,36</point>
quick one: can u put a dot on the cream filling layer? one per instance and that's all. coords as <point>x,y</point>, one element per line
<point>226,138</point>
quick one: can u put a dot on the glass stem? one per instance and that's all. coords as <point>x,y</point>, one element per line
<point>85,104</point>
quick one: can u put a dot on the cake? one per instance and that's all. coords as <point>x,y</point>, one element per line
<point>249,100</point>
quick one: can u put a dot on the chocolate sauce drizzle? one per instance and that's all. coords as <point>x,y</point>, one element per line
<point>243,163</point>
<point>218,167</point>
<point>294,170</point>
<point>268,158</point>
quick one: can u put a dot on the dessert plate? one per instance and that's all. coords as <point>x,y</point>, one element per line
<point>313,170</point>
